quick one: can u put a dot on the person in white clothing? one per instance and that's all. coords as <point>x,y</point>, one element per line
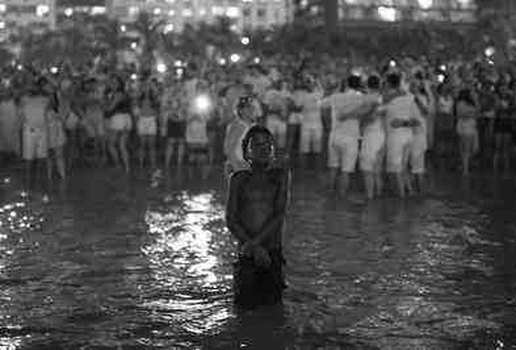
<point>277,102</point>
<point>33,109</point>
<point>467,114</point>
<point>401,115</point>
<point>419,146</point>
<point>146,111</point>
<point>344,135</point>
<point>372,150</point>
<point>308,100</point>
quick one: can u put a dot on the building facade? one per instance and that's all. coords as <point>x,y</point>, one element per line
<point>244,14</point>
<point>17,16</point>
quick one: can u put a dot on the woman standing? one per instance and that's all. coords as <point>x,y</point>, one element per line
<point>56,135</point>
<point>119,123</point>
<point>503,128</point>
<point>147,125</point>
<point>467,113</point>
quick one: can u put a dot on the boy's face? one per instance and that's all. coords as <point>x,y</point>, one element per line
<point>261,148</point>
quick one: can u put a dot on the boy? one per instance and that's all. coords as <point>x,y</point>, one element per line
<point>255,213</point>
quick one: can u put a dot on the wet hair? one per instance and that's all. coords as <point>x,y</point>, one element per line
<point>394,80</point>
<point>252,132</point>
<point>354,82</point>
<point>373,82</point>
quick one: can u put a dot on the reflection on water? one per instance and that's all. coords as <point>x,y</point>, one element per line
<point>147,263</point>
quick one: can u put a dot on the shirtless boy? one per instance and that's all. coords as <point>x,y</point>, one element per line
<point>255,214</point>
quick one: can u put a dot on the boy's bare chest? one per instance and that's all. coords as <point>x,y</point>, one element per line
<point>259,190</point>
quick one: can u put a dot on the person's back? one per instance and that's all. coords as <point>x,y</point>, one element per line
<point>34,108</point>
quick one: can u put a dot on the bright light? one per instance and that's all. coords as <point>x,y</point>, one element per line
<point>42,10</point>
<point>133,11</point>
<point>202,103</point>
<point>171,12</point>
<point>54,70</point>
<point>392,63</point>
<point>134,76</point>
<point>235,58</point>
<point>222,61</point>
<point>202,12</point>
<point>134,45</point>
<point>68,12</point>
<point>3,8</point>
<point>233,12</point>
<point>426,4</point>
<point>442,67</point>
<point>168,28</point>
<point>180,72</point>
<point>19,67</point>
<point>178,63</point>
<point>157,11</point>
<point>490,51</point>
<point>123,28</point>
<point>2,25</point>
<point>161,67</point>
<point>257,60</point>
<point>441,78</point>
<point>387,13</point>
<point>98,10</point>
<point>245,40</point>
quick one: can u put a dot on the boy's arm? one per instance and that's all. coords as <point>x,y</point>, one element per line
<point>280,210</point>
<point>232,207</point>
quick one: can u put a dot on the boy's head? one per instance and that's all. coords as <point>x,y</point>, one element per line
<point>258,145</point>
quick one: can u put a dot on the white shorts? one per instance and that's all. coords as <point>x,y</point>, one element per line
<point>398,149</point>
<point>278,128</point>
<point>120,122</point>
<point>94,124</point>
<point>35,143</point>
<point>147,126</point>
<point>311,139</point>
<point>343,153</point>
<point>418,149</point>
<point>371,150</point>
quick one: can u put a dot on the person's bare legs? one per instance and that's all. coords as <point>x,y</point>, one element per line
<point>111,147</point>
<point>60,163</point>
<point>151,143</point>
<point>343,184</point>
<point>331,186</point>
<point>122,144</point>
<point>369,181</point>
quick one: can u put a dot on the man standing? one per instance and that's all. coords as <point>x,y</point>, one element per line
<point>344,135</point>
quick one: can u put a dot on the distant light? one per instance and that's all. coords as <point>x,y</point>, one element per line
<point>257,60</point>
<point>245,40</point>
<point>180,72</point>
<point>2,25</point>
<point>178,63</point>
<point>441,78</point>
<point>161,67</point>
<point>3,8</point>
<point>134,45</point>
<point>490,51</point>
<point>123,28</point>
<point>171,12</point>
<point>223,61</point>
<point>490,62</point>
<point>235,58</point>
<point>233,12</point>
<point>168,28</point>
<point>157,11</point>
<point>134,76</point>
<point>392,63</point>
<point>19,67</point>
<point>202,12</point>
<point>426,4</point>
<point>234,28</point>
<point>202,103</point>
<point>54,70</point>
<point>98,10</point>
<point>387,13</point>
<point>442,67</point>
<point>7,180</point>
<point>68,12</point>
<point>42,10</point>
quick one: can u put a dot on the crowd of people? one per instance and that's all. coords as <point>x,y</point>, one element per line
<point>386,117</point>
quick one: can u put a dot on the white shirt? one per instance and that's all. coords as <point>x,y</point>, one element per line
<point>344,103</point>
<point>310,102</point>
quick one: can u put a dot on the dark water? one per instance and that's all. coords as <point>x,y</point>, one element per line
<point>111,262</point>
